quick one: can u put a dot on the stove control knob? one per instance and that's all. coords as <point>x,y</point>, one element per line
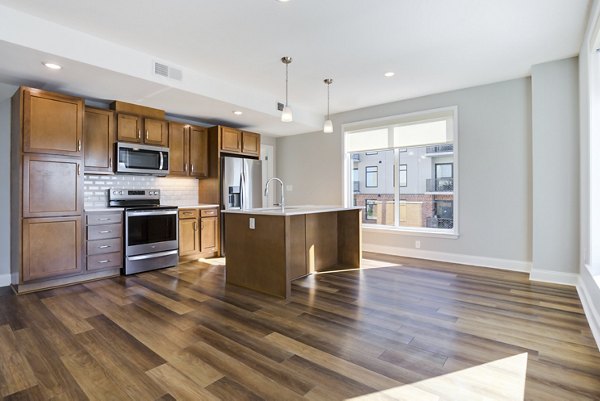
<point>120,192</point>
<point>114,192</point>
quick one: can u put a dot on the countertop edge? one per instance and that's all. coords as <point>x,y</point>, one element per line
<point>298,210</point>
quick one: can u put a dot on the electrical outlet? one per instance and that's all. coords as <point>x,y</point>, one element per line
<point>417,244</point>
<point>252,223</point>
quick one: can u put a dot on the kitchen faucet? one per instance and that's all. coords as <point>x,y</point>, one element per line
<point>282,204</point>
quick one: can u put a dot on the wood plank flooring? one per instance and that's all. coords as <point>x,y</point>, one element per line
<point>399,329</point>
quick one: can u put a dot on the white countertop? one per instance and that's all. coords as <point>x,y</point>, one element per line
<point>200,206</point>
<point>291,210</point>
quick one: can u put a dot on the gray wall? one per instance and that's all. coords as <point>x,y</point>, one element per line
<point>4,192</point>
<point>555,158</point>
<point>494,169</point>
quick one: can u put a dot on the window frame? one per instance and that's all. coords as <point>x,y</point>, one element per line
<point>367,203</point>
<point>371,172</point>
<point>403,119</point>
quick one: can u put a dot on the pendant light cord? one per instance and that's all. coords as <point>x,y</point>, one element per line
<point>286,84</point>
<point>328,101</point>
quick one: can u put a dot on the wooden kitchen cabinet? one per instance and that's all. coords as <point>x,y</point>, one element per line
<point>51,247</point>
<point>188,150</point>
<point>156,132</point>
<point>250,143</point>
<point>51,122</point>
<point>198,148</point>
<point>129,128</point>
<point>52,186</point>
<point>136,129</point>
<point>231,140</point>
<point>198,233</point>
<point>99,138</point>
<point>208,230</point>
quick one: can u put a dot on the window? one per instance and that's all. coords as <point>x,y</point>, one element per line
<point>412,187</point>
<point>370,212</point>
<point>355,180</point>
<point>403,176</point>
<point>371,176</point>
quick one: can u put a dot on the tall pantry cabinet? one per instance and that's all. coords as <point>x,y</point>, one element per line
<point>46,187</point>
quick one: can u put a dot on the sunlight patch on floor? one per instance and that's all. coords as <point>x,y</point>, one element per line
<point>501,380</point>
<point>365,264</point>
<point>213,261</point>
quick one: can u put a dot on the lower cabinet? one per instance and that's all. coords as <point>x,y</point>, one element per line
<point>51,247</point>
<point>198,233</point>
<point>104,240</point>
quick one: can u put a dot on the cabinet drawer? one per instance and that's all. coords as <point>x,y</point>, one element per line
<point>104,246</point>
<point>104,231</point>
<point>208,212</point>
<point>188,213</point>
<point>101,218</point>
<point>104,261</point>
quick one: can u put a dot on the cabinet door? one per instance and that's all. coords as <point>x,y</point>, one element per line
<point>129,128</point>
<point>198,152</point>
<point>99,137</point>
<point>208,240</point>
<point>250,143</point>
<point>51,247</point>
<point>178,149</point>
<point>231,140</point>
<point>52,123</point>
<point>188,237</point>
<point>52,186</point>
<point>156,132</point>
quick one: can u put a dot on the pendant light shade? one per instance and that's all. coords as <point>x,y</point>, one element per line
<point>328,125</point>
<point>286,113</point>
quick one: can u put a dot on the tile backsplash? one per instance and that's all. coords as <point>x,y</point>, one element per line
<point>174,191</point>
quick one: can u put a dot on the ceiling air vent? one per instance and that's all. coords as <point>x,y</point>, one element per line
<point>168,72</point>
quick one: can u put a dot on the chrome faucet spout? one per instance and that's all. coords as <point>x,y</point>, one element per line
<point>282,204</point>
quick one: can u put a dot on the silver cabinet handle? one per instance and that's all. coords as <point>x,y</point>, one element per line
<point>195,226</point>
<point>192,170</point>
<point>103,246</point>
<point>105,231</point>
<point>139,133</point>
<point>78,169</point>
<point>104,261</point>
<point>147,135</point>
<point>104,219</point>
<point>79,145</point>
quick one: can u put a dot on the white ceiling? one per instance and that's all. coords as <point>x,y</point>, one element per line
<point>230,51</point>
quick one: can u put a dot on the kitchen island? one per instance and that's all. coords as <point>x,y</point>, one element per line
<point>268,248</point>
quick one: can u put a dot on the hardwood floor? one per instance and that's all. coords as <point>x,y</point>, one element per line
<point>398,329</point>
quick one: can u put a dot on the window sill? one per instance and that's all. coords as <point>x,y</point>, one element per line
<point>407,231</point>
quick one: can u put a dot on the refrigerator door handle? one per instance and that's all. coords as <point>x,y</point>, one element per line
<point>243,192</point>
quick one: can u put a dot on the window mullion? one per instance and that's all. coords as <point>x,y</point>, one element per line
<point>396,187</point>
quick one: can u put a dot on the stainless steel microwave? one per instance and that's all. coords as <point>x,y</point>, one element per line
<point>142,159</point>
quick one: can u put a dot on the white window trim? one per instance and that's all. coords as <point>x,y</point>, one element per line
<point>408,118</point>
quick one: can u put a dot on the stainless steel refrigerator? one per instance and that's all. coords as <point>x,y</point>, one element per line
<point>241,187</point>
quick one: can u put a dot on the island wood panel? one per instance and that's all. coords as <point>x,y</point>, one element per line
<point>321,241</point>
<point>295,230</point>
<point>349,238</point>
<point>258,261</point>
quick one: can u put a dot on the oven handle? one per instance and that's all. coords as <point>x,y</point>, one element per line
<point>152,213</point>
<point>152,255</point>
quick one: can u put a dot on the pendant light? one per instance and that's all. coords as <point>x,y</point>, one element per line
<point>328,125</point>
<point>286,113</point>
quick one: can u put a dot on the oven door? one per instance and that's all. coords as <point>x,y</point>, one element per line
<point>142,159</point>
<point>150,231</point>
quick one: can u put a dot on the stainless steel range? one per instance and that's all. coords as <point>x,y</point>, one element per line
<point>151,231</point>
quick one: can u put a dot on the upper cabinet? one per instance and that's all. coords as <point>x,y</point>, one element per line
<point>140,124</point>
<point>52,123</point>
<point>156,132</point>
<point>242,142</point>
<point>188,150</point>
<point>99,137</point>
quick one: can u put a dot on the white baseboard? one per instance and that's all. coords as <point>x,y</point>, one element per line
<point>588,291</point>
<point>4,280</point>
<point>495,263</point>
<point>549,276</point>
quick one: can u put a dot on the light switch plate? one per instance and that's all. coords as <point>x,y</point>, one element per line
<point>252,223</point>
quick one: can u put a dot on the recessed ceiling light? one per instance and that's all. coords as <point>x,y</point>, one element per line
<point>389,74</point>
<point>283,1</point>
<point>53,66</point>
<point>238,113</point>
